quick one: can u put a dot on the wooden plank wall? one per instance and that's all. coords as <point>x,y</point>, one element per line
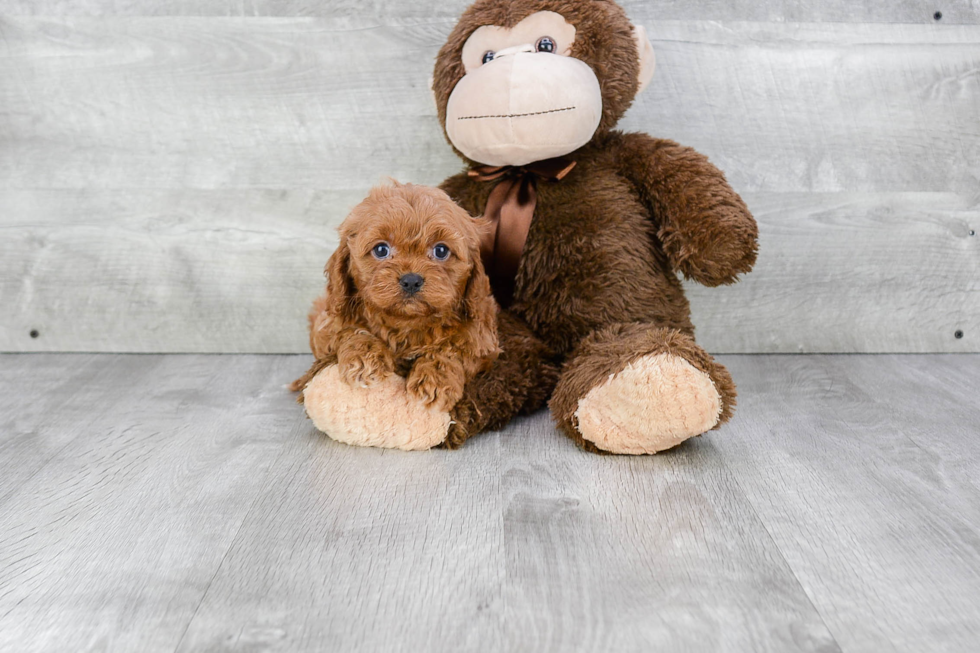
<point>171,173</point>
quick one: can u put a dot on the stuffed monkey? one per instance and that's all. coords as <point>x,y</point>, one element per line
<point>591,227</point>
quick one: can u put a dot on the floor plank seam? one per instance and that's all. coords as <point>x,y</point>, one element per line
<point>61,449</point>
<point>782,556</point>
<point>503,536</point>
<point>217,569</point>
<point>231,545</point>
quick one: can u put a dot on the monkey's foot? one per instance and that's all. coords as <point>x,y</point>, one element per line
<point>640,388</point>
<point>380,415</point>
<point>655,403</point>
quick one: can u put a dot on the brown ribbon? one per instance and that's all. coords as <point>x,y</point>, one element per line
<point>510,209</point>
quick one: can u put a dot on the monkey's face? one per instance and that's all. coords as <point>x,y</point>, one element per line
<point>523,97</point>
<point>512,93</point>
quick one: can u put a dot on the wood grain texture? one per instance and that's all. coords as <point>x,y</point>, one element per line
<point>515,546</point>
<point>111,544</point>
<point>959,448</point>
<point>192,507</point>
<point>634,569</point>
<point>370,550</point>
<point>856,468</point>
<point>191,102</point>
<point>153,270</point>
<point>836,11</point>
<point>195,270</point>
<point>171,183</point>
<point>52,407</point>
<point>852,272</point>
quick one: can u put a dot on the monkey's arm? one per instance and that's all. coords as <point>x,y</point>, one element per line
<point>705,227</point>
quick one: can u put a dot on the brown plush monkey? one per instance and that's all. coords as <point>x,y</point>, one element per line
<point>592,226</point>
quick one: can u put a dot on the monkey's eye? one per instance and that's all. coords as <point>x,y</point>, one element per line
<point>488,56</point>
<point>381,251</point>
<point>546,44</point>
<point>441,252</point>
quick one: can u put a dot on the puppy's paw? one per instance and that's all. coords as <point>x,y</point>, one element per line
<point>361,367</point>
<point>431,388</point>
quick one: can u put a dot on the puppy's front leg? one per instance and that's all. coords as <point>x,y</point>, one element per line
<point>437,378</point>
<point>364,359</point>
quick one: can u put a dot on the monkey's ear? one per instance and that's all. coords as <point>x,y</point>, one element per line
<point>648,60</point>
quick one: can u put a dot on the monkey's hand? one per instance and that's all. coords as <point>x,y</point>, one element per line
<point>706,229</point>
<point>364,359</point>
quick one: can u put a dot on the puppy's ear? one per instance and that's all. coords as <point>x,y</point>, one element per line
<point>480,308</point>
<point>340,284</point>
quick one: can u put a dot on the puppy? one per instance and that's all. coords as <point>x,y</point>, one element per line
<point>407,294</point>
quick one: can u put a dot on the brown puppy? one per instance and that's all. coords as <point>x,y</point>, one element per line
<point>407,294</point>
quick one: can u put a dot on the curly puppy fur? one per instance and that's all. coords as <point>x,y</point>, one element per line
<point>597,283</point>
<point>439,336</point>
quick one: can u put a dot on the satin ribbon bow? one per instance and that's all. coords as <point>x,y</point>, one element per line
<point>510,209</point>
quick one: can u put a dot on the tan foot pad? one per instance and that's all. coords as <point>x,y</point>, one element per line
<point>382,415</point>
<point>656,403</point>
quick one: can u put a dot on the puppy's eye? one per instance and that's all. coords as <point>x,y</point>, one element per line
<point>546,44</point>
<point>487,56</point>
<point>441,252</point>
<point>381,251</point>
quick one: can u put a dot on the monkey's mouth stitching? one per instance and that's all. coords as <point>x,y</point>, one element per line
<point>517,115</point>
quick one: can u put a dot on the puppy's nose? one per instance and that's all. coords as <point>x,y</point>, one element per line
<point>411,283</point>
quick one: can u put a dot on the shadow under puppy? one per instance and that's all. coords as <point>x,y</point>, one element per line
<point>406,296</point>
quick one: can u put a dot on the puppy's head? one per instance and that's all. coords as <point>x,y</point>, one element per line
<point>408,251</point>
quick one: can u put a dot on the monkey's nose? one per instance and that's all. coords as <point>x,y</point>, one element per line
<point>411,283</point>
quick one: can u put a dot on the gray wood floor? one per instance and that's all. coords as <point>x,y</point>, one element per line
<point>183,503</point>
